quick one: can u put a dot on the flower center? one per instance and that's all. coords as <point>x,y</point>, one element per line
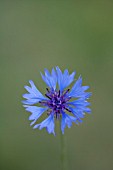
<point>57,102</point>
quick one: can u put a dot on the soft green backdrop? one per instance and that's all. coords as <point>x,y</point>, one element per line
<point>38,34</point>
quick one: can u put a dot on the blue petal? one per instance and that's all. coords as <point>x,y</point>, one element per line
<point>67,120</point>
<point>34,95</point>
<point>79,102</point>
<point>86,95</point>
<point>54,75</point>
<point>47,123</point>
<point>67,79</point>
<point>78,90</point>
<point>76,87</point>
<point>60,78</point>
<point>77,112</point>
<point>50,79</point>
<point>64,79</point>
<point>36,112</point>
<point>31,101</point>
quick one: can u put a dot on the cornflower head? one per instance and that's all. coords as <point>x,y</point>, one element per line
<point>65,104</point>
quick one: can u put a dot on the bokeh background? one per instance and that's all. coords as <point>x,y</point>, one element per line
<point>38,34</point>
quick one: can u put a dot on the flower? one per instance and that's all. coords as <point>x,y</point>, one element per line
<point>60,102</point>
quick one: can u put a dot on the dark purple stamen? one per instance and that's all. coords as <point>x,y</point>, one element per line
<point>66,92</point>
<point>68,110</point>
<point>59,93</point>
<point>47,96</point>
<point>47,89</point>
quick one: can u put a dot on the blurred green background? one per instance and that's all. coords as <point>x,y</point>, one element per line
<point>38,34</point>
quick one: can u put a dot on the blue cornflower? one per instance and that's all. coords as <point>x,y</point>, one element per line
<point>60,102</point>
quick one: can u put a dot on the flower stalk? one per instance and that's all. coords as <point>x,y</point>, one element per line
<point>64,158</point>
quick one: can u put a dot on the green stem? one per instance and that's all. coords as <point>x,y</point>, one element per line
<point>64,159</point>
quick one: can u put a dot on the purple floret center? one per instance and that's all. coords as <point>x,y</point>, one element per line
<point>57,102</point>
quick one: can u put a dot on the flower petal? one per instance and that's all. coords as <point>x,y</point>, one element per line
<point>79,103</point>
<point>67,120</point>
<point>78,90</point>
<point>34,95</point>
<point>76,87</point>
<point>36,112</point>
<point>67,79</point>
<point>50,79</point>
<point>64,79</point>
<point>77,113</point>
<point>31,101</point>
<point>47,123</point>
<point>60,78</point>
